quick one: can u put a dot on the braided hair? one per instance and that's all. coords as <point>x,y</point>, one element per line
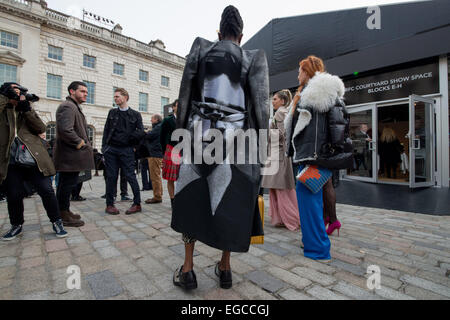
<point>231,24</point>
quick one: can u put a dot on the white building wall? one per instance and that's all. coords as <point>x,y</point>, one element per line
<point>69,33</point>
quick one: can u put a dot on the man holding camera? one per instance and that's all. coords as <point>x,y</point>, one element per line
<point>24,158</point>
<point>123,131</point>
<point>73,151</point>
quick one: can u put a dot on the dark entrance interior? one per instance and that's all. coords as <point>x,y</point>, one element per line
<point>393,143</point>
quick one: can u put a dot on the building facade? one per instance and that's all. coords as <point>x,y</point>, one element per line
<point>46,50</point>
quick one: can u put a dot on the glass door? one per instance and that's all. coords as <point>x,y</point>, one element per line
<point>364,135</point>
<point>421,142</point>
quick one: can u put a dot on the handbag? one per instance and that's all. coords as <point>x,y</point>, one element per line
<point>21,156</point>
<point>259,239</point>
<point>334,159</point>
<point>314,178</point>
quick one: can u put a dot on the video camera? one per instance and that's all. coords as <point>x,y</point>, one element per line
<point>28,97</point>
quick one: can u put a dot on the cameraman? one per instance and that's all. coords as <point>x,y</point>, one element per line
<point>24,158</point>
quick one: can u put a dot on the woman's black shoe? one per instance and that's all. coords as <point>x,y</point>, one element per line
<point>226,277</point>
<point>187,281</point>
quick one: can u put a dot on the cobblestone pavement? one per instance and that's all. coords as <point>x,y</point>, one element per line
<point>134,257</point>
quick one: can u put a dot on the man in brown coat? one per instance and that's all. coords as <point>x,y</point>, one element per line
<point>73,151</point>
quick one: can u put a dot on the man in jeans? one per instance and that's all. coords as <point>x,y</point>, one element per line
<point>123,131</point>
<point>73,151</point>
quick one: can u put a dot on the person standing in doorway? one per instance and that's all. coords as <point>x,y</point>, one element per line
<point>123,131</point>
<point>73,151</point>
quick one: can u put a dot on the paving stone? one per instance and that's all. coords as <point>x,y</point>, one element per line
<point>31,227</point>
<point>32,280</point>
<point>354,292</point>
<point>42,295</point>
<point>121,265</point>
<point>357,270</point>
<point>32,262</point>
<point>390,294</point>
<point>151,267</point>
<point>315,276</point>
<point>427,285</point>
<point>252,292</point>
<point>7,261</point>
<point>56,245</point>
<point>108,252</point>
<point>291,294</point>
<point>289,277</point>
<point>137,235</point>
<point>422,294</point>
<point>265,281</point>
<point>274,249</point>
<point>76,240</point>
<point>138,285</point>
<point>101,244</point>
<point>363,244</point>
<point>325,294</point>
<point>123,244</point>
<point>82,249</point>
<point>179,249</point>
<point>104,285</point>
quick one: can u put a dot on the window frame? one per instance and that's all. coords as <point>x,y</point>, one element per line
<point>162,82</point>
<point>142,94</point>
<point>14,37</point>
<point>91,93</point>
<point>87,63</point>
<point>122,66</point>
<point>55,76</point>
<point>143,72</point>
<point>55,54</point>
<point>8,68</point>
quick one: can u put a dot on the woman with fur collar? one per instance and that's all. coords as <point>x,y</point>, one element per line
<point>308,135</point>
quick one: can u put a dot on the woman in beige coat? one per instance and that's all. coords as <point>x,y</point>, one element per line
<point>283,199</point>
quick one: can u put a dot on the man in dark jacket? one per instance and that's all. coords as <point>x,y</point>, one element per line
<point>155,160</point>
<point>73,152</point>
<point>123,131</point>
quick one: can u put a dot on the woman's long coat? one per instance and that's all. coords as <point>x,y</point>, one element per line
<point>284,178</point>
<point>217,204</point>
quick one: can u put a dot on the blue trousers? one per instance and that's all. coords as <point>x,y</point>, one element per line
<point>315,238</point>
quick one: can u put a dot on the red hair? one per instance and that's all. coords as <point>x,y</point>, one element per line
<point>311,65</point>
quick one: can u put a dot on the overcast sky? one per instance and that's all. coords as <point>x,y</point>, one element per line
<point>178,22</point>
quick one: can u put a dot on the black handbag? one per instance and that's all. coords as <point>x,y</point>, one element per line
<point>21,156</point>
<point>334,159</point>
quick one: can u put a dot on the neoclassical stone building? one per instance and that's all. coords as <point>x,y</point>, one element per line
<point>46,50</point>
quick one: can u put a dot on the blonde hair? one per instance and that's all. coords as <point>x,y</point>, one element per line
<point>286,96</point>
<point>388,135</point>
<point>123,92</point>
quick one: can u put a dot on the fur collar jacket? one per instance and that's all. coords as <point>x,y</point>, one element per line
<point>307,130</point>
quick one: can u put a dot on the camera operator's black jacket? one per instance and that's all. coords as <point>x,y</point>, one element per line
<point>134,128</point>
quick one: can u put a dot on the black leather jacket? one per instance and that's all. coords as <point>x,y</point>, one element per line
<point>135,127</point>
<point>320,120</point>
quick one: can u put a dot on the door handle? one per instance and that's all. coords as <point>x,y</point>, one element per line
<point>416,144</point>
<point>371,146</point>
